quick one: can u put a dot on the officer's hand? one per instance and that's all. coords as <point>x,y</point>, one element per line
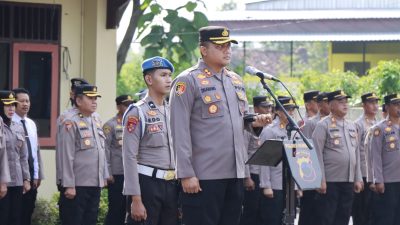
<point>27,186</point>
<point>110,180</point>
<point>262,120</point>
<point>380,188</point>
<point>372,187</point>
<point>36,183</point>
<point>299,193</point>
<point>268,192</point>
<point>322,190</point>
<point>249,184</point>
<point>138,211</point>
<point>3,190</point>
<point>358,186</point>
<point>190,185</point>
<point>70,193</point>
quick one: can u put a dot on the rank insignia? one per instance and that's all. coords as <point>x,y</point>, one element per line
<point>82,124</point>
<point>132,123</point>
<point>241,96</point>
<point>205,82</point>
<point>236,81</point>
<point>152,113</point>
<point>201,76</point>
<point>107,129</point>
<point>87,142</point>
<point>180,88</point>
<point>377,131</point>
<point>212,109</point>
<point>207,98</point>
<point>217,96</point>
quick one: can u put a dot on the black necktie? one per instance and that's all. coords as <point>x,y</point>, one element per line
<point>28,143</point>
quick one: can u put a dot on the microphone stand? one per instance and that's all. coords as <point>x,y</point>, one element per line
<point>288,181</point>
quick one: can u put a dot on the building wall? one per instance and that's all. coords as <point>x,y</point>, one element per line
<point>93,56</point>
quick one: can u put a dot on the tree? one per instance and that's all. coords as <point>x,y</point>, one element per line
<point>176,37</point>
<point>386,74</point>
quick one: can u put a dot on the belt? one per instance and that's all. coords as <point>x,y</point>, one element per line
<point>157,173</point>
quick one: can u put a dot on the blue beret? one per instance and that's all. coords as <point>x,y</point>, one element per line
<point>157,62</point>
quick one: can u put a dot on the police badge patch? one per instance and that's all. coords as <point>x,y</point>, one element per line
<point>180,88</point>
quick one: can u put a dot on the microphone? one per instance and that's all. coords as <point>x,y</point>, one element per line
<point>253,71</point>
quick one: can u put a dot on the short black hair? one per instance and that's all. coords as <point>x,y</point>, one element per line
<point>21,90</point>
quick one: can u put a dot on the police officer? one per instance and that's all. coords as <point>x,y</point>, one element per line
<point>113,130</point>
<point>69,112</point>
<point>208,103</point>
<point>310,104</point>
<point>251,203</point>
<point>335,141</point>
<point>272,201</point>
<point>83,160</point>
<point>307,206</point>
<point>11,204</point>
<point>385,152</point>
<point>361,204</point>
<point>4,168</point>
<point>148,156</point>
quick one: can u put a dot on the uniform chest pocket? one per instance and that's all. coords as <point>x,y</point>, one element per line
<point>335,138</point>
<point>86,139</point>
<point>212,103</point>
<point>353,137</point>
<point>155,136</point>
<point>391,143</point>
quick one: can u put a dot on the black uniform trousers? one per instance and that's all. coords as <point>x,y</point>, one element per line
<point>251,204</point>
<point>386,206</point>
<point>272,208</point>
<point>28,206</point>
<point>219,203</point>
<point>307,208</point>
<point>334,207</point>
<point>83,209</point>
<point>362,206</point>
<point>116,202</point>
<point>11,206</point>
<point>160,198</point>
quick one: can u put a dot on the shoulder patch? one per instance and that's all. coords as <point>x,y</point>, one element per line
<point>180,88</point>
<point>132,123</point>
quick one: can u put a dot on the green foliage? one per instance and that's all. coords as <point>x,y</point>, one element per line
<point>387,76</point>
<point>179,42</point>
<point>46,211</point>
<point>130,81</point>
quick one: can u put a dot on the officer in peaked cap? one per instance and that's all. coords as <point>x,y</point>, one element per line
<point>362,202</point>
<point>307,206</point>
<point>336,143</point>
<point>310,101</point>
<point>385,162</point>
<point>251,203</point>
<point>148,155</point>
<point>113,131</point>
<point>82,156</point>
<point>206,99</point>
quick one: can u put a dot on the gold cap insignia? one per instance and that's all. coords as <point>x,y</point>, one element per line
<point>94,89</point>
<point>342,93</point>
<point>225,33</point>
<point>11,95</point>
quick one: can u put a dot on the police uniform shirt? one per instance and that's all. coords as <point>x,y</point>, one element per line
<point>207,123</point>
<point>153,149</point>
<point>113,131</point>
<point>17,154</point>
<point>33,138</point>
<point>310,124</point>
<point>385,152</point>
<point>336,145</point>
<point>367,149</point>
<point>252,142</point>
<point>362,125</point>
<point>83,161</point>
<point>4,168</point>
